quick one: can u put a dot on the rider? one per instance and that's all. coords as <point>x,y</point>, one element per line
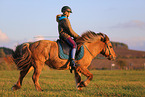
<point>66,32</point>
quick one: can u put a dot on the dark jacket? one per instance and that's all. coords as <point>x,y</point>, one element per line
<point>65,29</point>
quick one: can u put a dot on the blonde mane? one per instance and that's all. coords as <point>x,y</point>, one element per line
<point>90,36</point>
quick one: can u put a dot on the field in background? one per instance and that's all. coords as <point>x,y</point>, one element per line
<point>62,83</point>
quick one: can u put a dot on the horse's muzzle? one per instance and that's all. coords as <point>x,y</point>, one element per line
<point>112,58</point>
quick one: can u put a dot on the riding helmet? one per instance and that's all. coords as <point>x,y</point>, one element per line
<point>64,8</point>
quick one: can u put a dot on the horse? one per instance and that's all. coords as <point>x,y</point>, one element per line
<point>42,52</point>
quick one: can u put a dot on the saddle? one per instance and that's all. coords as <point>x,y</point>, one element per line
<point>65,50</point>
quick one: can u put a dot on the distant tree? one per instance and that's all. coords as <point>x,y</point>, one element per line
<point>121,64</point>
<point>2,54</point>
<point>5,51</point>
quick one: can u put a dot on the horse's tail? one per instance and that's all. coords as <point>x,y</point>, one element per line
<point>22,56</point>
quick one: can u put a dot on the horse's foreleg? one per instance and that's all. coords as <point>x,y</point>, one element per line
<point>19,82</point>
<point>37,70</point>
<point>87,73</point>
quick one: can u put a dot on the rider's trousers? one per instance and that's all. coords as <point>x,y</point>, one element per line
<point>73,45</point>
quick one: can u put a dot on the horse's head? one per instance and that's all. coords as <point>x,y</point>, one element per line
<point>91,37</point>
<point>108,49</point>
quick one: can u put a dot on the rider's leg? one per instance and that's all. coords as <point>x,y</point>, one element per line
<point>73,51</point>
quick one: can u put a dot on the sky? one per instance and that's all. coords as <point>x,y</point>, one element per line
<point>32,20</point>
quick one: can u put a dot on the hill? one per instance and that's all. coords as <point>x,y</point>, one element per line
<point>122,51</point>
<point>6,62</point>
<point>5,51</point>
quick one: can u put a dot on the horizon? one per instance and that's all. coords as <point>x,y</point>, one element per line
<point>23,21</point>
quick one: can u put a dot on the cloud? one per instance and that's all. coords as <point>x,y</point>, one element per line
<point>39,37</point>
<point>133,43</point>
<point>136,42</point>
<point>131,24</point>
<point>3,37</point>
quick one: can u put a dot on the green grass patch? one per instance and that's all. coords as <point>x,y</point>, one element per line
<point>61,83</point>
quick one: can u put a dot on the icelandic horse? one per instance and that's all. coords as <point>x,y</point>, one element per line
<point>42,52</point>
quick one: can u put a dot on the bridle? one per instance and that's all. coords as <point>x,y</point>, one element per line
<point>102,53</point>
<point>109,51</point>
<point>107,48</point>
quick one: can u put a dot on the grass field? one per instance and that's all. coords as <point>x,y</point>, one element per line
<point>61,83</point>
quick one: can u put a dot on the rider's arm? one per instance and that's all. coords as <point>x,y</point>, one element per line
<point>68,28</point>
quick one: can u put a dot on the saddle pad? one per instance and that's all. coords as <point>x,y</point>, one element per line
<point>62,55</point>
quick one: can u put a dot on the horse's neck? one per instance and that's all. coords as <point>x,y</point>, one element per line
<point>95,48</point>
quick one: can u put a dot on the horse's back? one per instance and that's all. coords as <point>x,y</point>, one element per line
<point>41,49</point>
<point>46,51</point>
<point>42,44</point>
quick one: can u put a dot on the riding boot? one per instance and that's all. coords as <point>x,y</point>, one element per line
<point>72,65</point>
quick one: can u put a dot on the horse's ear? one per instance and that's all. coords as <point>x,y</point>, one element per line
<point>103,38</point>
<point>106,38</point>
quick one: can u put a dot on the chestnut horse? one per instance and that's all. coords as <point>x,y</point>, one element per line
<point>42,52</point>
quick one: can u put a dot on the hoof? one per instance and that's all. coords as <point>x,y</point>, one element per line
<point>82,84</point>
<point>39,89</point>
<point>15,87</point>
<point>80,88</point>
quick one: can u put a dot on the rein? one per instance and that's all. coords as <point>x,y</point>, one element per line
<point>89,50</point>
<point>104,52</point>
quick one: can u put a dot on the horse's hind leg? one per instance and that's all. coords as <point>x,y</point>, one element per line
<point>19,82</point>
<point>77,79</point>
<point>85,72</point>
<point>37,70</point>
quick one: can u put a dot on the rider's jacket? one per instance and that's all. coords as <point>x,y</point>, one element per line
<point>64,28</point>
